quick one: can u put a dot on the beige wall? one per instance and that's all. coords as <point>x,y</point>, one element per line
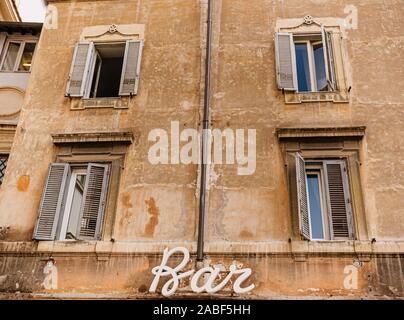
<point>251,212</point>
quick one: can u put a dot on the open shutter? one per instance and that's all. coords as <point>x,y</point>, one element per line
<point>131,68</point>
<point>80,69</point>
<point>52,202</point>
<point>285,61</point>
<point>94,198</point>
<point>339,203</point>
<point>328,58</point>
<point>303,208</point>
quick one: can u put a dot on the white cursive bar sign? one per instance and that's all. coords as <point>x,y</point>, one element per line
<point>171,286</point>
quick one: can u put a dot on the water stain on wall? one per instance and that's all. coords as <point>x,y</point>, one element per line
<point>154,213</point>
<point>23,183</point>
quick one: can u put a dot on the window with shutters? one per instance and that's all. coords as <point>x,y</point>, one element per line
<point>324,199</point>
<point>323,167</point>
<point>310,63</point>
<point>105,70</point>
<point>73,202</point>
<point>18,54</point>
<point>305,62</point>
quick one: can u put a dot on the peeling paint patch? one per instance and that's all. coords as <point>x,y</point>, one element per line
<point>23,183</point>
<point>246,234</point>
<point>154,213</point>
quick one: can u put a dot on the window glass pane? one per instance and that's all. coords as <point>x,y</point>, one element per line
<point>3,166</point>
<point>320,67</point>
<point>316,219</point>
<point>96,77</point>
<point>26,60</point>
<point>75,207</point>
<point>303,68</point>
<point>11,56</point>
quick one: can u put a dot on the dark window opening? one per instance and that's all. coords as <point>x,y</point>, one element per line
<point>107,71</point>
<point>3,166</point>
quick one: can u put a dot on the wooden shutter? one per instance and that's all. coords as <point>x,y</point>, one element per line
<point>285,61</point>
<point>131,68</point>
<point>329,58</point>
<point>303,208</point>
<point>52,202</point>
<point>339,203</point>
<point>80,69</point>
<point>94,198</point>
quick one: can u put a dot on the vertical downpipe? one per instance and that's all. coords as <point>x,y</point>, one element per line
<point>205,139</point>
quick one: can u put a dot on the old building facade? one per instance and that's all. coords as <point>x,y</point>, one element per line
<point>84,211</point>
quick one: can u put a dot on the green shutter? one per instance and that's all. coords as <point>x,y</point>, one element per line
<point>131,68</point>
<point>303,208</point>
<point>285,61</point>
<point>339,202</point>
<point>94,202</point>
<point>80,69</point>
<point>52,202</point>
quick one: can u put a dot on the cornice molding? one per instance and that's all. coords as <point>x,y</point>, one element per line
<point>86,137</point>
<point>328,132</point>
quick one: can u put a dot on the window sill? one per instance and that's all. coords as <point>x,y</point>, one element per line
<point>214,247</point>
<point>8,71</point>
<point>99,103</point>
<point>305,97</point>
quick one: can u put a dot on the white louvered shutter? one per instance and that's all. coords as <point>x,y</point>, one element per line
<point>285,62</point>
<point>94,201</point>
<point>80,69</point>
<point>303,208</point>
<point>329,59</point>
<point>131,68</point>
<point>339,203</point>
<point>52,202</point>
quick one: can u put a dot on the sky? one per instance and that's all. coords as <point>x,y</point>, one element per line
<point>31,10</point>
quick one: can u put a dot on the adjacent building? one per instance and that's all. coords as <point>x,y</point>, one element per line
<point>9,11</point>
<point>84,211</point>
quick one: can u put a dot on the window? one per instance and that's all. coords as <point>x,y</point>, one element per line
<point>105,70</point>
<point>305,62</point>
<point>310,65</point>
<point>3,166</point>
<point>106,73</point>
<point>324,201</point>
<point>73,202</point>
<point>18,56</point>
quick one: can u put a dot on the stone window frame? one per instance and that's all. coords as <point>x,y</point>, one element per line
<point>325,143</point>
<point>107,148</point>
<point>308,24</point>
<point>107,34</point>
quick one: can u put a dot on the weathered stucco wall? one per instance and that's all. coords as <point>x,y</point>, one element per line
<point>245,213</point>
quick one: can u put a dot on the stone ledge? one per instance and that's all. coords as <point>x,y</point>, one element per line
<point>211,248</point>
<point>8,127</point>
<point>85,137</point>
<point>330,132</point>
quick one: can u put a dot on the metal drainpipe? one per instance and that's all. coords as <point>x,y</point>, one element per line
<point>204,146</point>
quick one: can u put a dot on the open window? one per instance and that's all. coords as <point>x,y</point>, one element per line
<point>18,55</point>
<point>305,62</point>
<point>324,201</point>
<point>105,70</point>
<point>73,202</point>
